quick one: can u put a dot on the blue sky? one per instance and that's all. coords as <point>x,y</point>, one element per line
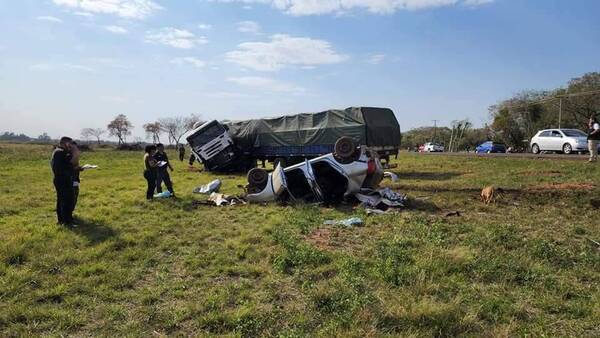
<point>70,64</point>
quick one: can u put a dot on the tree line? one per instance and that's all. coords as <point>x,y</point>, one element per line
<point>121,128</point>
<point>514,121</point>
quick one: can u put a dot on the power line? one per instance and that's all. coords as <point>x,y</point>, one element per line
<point>592,92</point>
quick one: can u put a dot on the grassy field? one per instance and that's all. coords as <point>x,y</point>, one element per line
<point>524,266</point>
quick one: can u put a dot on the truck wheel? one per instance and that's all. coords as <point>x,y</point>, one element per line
<point>345,147</point>
<point>258,177</point>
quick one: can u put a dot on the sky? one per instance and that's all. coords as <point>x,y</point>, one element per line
<point>72,64</point>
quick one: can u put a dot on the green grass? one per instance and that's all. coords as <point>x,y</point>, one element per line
<point>525,266</point>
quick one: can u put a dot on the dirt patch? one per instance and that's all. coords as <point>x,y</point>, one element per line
<point>563,186</point>
<point>552,173</point>
<point>323,238</point>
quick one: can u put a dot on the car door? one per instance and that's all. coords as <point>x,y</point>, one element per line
<point>556,140</point>
<point>544,140</point>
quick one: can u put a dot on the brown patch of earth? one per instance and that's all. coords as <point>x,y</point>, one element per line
<point>563,186</point>
<point>322,238</point>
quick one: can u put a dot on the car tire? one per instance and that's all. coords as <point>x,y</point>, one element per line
<point>535,149</point>
<point>489,151</point>
<point>345,148</point>
<point>567,149</point>
<point>258,177</point>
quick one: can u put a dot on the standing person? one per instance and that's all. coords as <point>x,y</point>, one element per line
<point>62,169</point>
<point>163,173</point>
<point>150,170</point>
<point>593,138</point>
<point>75,155</point>
<point>181,152</point>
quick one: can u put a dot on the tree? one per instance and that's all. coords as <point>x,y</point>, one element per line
<point>44,138</point>
<point>153,131</point>
<point>176,127</point>
<point>120,127</point>
<point>88,133</point>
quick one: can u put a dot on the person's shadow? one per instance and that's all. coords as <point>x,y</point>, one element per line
<point>96,232</point>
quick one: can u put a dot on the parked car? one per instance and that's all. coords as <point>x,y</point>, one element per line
<point>431,147</point>
<point>490,147</point>
<point>563,140</point>
<point>328,178</point>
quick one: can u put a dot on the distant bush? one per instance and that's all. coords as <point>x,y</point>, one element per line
<point>130,147</point>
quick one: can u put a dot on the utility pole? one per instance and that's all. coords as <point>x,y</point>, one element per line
<point>559,112</point>
<point>434,130</point>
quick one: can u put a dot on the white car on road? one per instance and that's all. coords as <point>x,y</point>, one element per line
<point>564,140</point>
<point>431,147</point>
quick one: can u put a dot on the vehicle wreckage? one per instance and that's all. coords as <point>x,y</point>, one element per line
<point>330,178</point>
<point>287,140</point>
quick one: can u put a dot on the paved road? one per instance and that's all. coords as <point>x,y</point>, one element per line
<point>549,156</point>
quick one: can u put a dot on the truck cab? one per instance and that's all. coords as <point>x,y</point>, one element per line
<point>212,144</point>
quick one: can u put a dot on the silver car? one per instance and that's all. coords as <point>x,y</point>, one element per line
<point>563,140</point>
<point>329,178</point>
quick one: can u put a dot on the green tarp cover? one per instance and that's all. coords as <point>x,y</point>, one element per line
<point>367,126</point>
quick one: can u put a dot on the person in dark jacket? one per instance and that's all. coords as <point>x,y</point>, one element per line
<point>62,169</point>
<point>181,152</point>
<point>163,173</point>
<point>150,170</point>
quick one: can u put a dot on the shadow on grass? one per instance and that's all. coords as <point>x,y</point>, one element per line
<point>96,232</point>
<point>429,176</point>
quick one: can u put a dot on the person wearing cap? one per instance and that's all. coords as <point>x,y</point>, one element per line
<point>62,170</point>
<point>593,138</point>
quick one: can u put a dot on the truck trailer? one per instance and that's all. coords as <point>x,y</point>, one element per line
<point>237,146</point>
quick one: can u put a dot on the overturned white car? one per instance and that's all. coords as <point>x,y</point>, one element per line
<point>328,178</point>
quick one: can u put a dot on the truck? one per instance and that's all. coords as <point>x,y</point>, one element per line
<point>286,140</point>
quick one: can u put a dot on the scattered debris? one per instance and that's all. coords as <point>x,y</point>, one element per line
<point>222,199</point>
<point>209,188</point>
<point>391,176</point>
<point>348,223</point>
<point>381,199</point>
<point>454,213</point>
<point>164,194</point>
<point>89,166</point>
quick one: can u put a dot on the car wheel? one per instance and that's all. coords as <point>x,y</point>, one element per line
<point>489,151</point>
<point>258,178</point>
<point>345,147</point>
<point>567,149</point>
<point>535,149</point>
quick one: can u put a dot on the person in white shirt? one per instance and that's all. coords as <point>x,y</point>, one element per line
<point>593,138</point>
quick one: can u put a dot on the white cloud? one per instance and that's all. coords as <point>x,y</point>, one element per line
<point>248,27</point>
<point>316,7</point>
<point>376,59</point>
<point>284,50</point>
<point>116,29</point>
<point>266,84</point>
<point>178,38</point>
<point>204,27</point>
<point>84,14</point>
<point>189,60</point>
<point>79,68</point>
<point>228,95</point>
<point>49,19</point>
<point>40,67</point>
<point>134,9</point>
